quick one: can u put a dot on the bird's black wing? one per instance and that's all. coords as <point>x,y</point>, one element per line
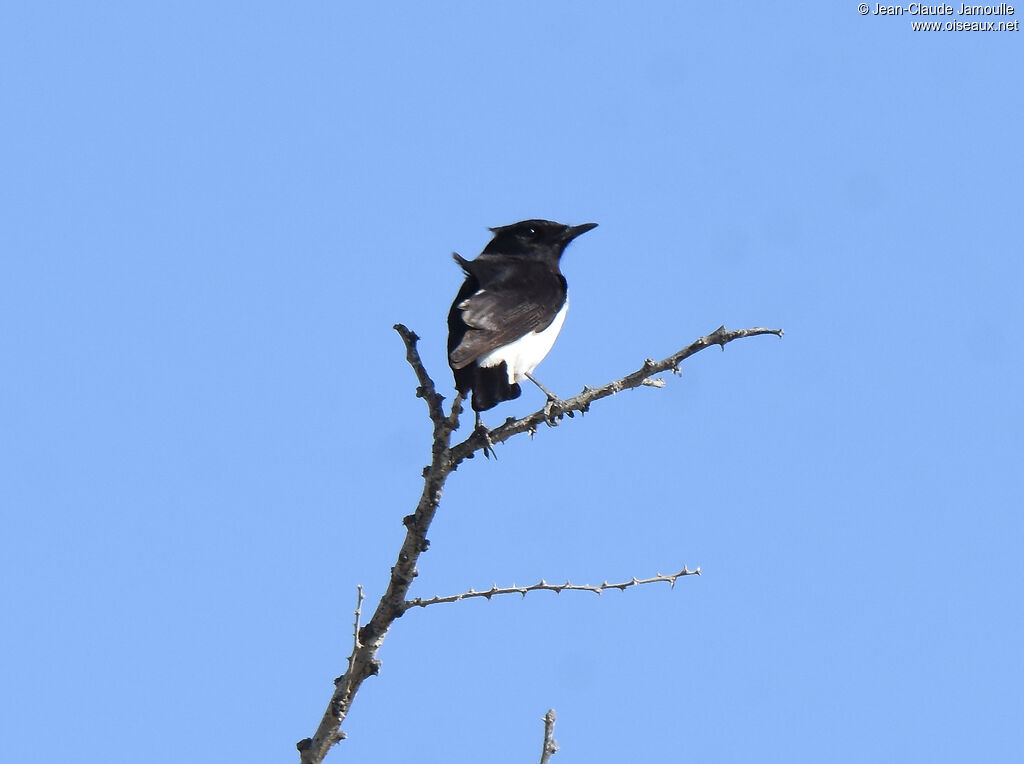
<point>502,300</point>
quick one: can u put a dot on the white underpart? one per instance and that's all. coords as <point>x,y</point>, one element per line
<point>523,355</point>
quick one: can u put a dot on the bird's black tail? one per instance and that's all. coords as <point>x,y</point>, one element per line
<point>490,386</point>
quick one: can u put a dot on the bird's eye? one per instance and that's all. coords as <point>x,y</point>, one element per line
<point>530,232</point>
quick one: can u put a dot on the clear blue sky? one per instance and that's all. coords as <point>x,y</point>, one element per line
<point>211,216</point>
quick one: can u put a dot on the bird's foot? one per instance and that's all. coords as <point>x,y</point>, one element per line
<point>485,435</point>
<point>555,409</point>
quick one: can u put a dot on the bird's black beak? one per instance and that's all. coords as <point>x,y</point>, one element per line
<point>572,231</point>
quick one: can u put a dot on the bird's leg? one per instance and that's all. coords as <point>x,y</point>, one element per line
<point>486,435</point>
<point>553,402</point>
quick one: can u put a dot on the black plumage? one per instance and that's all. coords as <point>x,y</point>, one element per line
<point>509,310</point>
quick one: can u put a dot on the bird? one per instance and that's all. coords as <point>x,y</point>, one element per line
<point>509,311</point>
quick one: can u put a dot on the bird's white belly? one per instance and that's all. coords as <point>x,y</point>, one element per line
<point>522,356</point>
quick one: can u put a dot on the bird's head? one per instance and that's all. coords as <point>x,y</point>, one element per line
<point>541,239</point>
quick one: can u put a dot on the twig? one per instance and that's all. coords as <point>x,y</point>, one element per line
<point>355,629</point>
<point>443,425</point>
<point>445,458</point>
<point>543,585</point>
<point>550,746</point>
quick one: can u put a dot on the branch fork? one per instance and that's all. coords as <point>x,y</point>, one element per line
<point>445,459</point>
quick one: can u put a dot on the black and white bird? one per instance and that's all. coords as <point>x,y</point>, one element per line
<point>509,310</point>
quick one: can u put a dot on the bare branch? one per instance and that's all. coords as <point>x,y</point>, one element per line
<point>550,746</point>
<point>363,662</point>
<point>641,377</point>
<point>445,458</point>
<point>355,629</point>
<point>426,389</point>
<point>543,585</point>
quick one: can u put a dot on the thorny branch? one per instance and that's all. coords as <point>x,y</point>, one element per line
<point>543,585</point>
<point>445,459</point>
<point>355,629</point>
<point>642,376</point>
